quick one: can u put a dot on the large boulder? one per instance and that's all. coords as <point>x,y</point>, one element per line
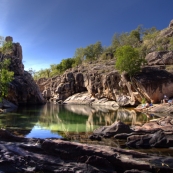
<point>110,131</point>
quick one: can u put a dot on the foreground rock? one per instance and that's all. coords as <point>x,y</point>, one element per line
<point>158,133</point>
<point>23,89</point>
<point>35,155</point>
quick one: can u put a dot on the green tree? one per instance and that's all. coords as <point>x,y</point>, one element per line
<point>93,51</point>
<point>6,48</point>
<point>53,70</point>
<point>78,57</point>
<point>128,60</point>
<point>6,77</point>
<point>135,34</point>
<point>132,39</point>
<point>108,53</point>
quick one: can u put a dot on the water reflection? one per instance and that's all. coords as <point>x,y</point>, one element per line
<point>52,120</point>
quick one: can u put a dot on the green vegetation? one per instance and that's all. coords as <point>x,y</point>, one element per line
<point>128,60</point>
<point>6,76</point>
<point>139,42</point>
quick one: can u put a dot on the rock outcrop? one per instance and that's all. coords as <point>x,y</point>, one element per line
<point>23,89</point>
<point>101,85</point>
<point>55,155</point>
<point>151,83</point>
<point>160,58</point>
<point>101,80</point>
<point>157,133</point>
<point>154,83</point>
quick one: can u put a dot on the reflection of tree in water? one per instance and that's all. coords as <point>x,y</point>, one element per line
<point>84,118</point>
<point>69,118</point>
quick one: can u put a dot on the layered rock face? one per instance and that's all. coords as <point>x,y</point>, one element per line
<point>151,83</point>
<point>90,79</point>
<point>160,58</point>
<point>103,83</point>
<point>23,89</point>
<point>154,83</point>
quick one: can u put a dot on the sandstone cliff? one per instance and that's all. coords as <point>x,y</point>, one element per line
<point>101,82</point>
<point>23,89</point>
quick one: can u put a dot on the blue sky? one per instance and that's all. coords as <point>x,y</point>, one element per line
<point>51,30</point>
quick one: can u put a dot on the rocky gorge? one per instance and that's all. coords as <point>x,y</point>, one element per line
<point>94,83</point>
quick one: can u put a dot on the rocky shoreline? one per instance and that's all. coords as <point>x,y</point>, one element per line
<point>54,155</point>
<point>156,133</point>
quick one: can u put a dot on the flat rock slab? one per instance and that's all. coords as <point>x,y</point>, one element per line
<point>35,155</point>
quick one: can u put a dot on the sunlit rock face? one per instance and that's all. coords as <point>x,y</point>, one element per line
<point>101,81</point>
<point>160,58</point>
<point>151,83</point>
<point>23,89</point>
<point>154,83</point>
<point>101,87</point>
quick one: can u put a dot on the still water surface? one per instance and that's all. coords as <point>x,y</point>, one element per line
<point>56,121</point>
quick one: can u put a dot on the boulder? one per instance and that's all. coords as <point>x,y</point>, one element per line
<point>158,139</point>
<point>110,131</point>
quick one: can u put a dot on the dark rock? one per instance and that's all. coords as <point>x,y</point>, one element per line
<point>158,139</point>
<point>110,131</point>
<point>136,171</point>
<point>35,155</point>
<point>9,38</point>
<point>23,89</point>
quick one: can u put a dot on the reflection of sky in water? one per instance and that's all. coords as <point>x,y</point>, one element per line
<point>39,132</point>
<point>50,120</point>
